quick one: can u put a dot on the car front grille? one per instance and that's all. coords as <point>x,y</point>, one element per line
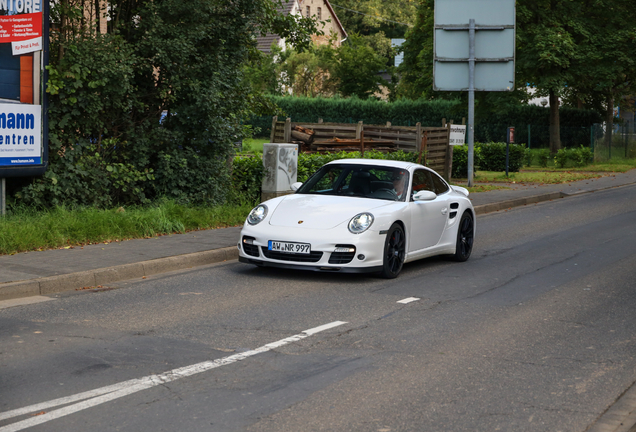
<point>342,257</point>
<point>282,256</point>
<point>249,249</point>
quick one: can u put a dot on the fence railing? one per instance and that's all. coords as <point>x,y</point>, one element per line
<point>615,144</point>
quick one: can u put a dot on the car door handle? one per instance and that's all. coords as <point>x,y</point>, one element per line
<point>444,210</point>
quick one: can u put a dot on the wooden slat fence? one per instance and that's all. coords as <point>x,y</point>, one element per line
<point>431,142</point>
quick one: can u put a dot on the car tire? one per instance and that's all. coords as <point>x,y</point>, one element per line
<point>465,238</point>
<point>394,252</point>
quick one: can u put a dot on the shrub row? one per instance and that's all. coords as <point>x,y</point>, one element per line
<point>575,123</point>
<point>579,157</point>
<point>489,157</point>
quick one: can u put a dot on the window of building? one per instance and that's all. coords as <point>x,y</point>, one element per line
<point>319,13</point>
<point>308,12</point>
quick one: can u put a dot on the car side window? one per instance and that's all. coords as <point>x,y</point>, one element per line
<point>439,185</point>
<point>422,180</point>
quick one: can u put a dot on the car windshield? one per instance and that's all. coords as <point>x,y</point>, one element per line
<point>366,181</point>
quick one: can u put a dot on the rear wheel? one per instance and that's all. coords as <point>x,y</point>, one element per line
<point>465,237</point>
<point>394,252</point>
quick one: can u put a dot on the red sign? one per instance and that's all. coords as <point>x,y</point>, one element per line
<point>16,28</point>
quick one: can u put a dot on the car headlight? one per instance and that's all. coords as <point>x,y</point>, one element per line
<point>257,214</point>
<point>360,223</point>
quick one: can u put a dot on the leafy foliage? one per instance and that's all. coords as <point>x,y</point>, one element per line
<point>369,17</point>
<point>153,107</point>
<point>578,157</point>
<point>460,160</point>
<point>493,156</point>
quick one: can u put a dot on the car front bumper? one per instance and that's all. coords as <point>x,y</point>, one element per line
<point>367,256</point>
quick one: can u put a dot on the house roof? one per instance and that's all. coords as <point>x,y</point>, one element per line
<point>264,43</point>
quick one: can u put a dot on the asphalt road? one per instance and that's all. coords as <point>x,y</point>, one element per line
<point>534,333</point>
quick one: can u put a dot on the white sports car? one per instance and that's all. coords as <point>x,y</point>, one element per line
<point>361,215</point>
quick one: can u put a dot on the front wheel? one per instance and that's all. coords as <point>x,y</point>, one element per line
<point>394,252</point>
<point>465,237</point>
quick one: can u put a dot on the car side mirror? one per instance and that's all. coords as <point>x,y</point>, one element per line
<point>425,195</point>
<point>296,186</point>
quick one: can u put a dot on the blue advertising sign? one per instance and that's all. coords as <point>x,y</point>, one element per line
<point>23,60</point>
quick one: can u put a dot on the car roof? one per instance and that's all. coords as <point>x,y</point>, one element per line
<point>377,162</point>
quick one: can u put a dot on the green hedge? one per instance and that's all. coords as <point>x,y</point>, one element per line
<point>575,123</point>
<point>488,157</point>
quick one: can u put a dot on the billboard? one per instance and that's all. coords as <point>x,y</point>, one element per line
<point>23,57</point>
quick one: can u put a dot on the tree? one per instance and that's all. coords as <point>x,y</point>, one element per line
<point>547,51</point>
<point>417,66</point>
<point>368,17</point>
<point>151,108</point>
<point>607,75</point>
<point>356,69</point>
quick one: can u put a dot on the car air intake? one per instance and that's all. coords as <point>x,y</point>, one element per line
<point>343,254</point>
<point>249,247</point>
<point>282,256</point>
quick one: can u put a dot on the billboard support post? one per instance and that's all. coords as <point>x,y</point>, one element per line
<point>3,196</point>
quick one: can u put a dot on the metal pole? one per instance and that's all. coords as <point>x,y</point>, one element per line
<point>471,100</point>
<point>3,196</point>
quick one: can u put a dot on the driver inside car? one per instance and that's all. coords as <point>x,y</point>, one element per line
<point>399,184</point>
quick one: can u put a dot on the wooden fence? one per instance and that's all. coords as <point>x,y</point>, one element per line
<point>431,142</point>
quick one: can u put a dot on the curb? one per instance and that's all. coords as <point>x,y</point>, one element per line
<point>517,202</point>
<point>620,416</point>
<point>73,281</point>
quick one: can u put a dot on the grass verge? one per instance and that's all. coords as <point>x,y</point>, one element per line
<point>542,177</point>
<point>254,145</point>
<point>28,229</point>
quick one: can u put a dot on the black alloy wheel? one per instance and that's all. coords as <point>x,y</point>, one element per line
<point>394,252</point>
<point>465,237</point>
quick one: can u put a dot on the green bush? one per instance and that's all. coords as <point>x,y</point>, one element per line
<point>247,178</point>
<point>527,157</point>
<point>578,157</point>
<point>460,160</point>
<point>543,157</point>
<point>493,156</point>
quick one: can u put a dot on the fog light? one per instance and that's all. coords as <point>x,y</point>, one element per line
<point>361,257</point>
<point>344,249</point>
<point>247,240</point>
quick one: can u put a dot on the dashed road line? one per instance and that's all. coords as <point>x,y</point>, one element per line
<point>408,300</point>
<point>106,394</point>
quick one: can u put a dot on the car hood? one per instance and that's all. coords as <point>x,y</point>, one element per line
<point>321,212</point>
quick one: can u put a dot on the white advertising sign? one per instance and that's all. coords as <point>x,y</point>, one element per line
<point>20,134</point>
<point>27,46</point>
<point>457,135</point>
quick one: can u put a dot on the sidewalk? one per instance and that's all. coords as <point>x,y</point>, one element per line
<point>51,271</point>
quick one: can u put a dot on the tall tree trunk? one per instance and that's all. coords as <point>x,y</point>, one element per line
<point>555,125</point>
<point>609,120</point>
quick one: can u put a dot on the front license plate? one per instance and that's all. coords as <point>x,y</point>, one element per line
<point>289,247</point>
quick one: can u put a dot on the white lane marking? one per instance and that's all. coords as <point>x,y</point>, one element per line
<point>105,394</point>
<point>408,300</point>
<point>24,301</point>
